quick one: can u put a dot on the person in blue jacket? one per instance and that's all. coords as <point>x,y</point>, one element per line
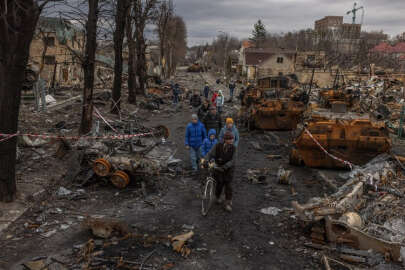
<point>209,142</point>
<point>229,126</point>
<point>195,135</point>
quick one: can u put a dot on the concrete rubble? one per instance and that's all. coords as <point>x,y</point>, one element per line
<point>366,213</point>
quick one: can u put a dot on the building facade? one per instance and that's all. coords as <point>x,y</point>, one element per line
<point>55,50</point>
<point>258,63</point>
<point>344,37</point>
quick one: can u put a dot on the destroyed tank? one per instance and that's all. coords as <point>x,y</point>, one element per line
<point>357,141</point>
<point>331,97</point>
<point>273,105</point>
<point>276,114</point>
<point>194,68</point>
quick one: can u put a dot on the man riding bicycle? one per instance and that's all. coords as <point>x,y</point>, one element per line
<point>224,156</point>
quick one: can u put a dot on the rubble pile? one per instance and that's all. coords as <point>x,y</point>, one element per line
<point>366,213</point>
<point>135,159</point>
<point>114,246</point>
<point>275,104</point>
<point>380,97</point>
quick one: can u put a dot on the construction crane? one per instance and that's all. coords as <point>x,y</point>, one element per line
<point>354,11</point>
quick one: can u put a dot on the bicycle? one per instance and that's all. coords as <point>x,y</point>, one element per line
<point>209,189</point>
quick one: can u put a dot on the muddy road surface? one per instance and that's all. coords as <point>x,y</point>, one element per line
<point>244,239</point>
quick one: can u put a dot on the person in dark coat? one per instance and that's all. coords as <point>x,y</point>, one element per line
<point>232,87</point>
<point>242,96</point>
<point>203,110</point>
<point>207,90</point>
<point>195,102</point>
<point>176,93</point>
<point>195,135</point>
<point>212,120</point>
<point>223,154</point>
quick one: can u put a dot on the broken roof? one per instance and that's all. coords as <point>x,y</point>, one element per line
<point>109,62</point>
<point>64,29</point>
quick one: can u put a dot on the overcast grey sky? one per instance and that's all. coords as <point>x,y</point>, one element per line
<point>205,18</point>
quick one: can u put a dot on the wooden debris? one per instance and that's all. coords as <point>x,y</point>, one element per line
<point>179,243</point>
<point>104,228</point>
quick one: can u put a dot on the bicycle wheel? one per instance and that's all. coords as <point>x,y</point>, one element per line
<point>208,196</point>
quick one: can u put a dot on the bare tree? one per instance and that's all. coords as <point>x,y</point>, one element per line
<point>131,56</point>
<point>222,45</point>
<point>89,66</point>
<point>165,12</point>
<point>18,19</point>
<point>144,11</point>
<point>119,33</point>
<point>177,42</point>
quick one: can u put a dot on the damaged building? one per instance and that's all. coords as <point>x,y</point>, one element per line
<point>346,36</point>
<point>55,48</point>
<point>263,62</point>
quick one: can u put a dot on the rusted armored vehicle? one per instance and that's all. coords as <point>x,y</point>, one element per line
<point>272,105</point>
<point>331,97</point>
<point>276,114</point>
<point>194,68</point>
<point>252,95</point>
<point>357,141</point>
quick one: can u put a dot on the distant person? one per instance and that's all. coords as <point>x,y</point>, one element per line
<point>176,93</point>
<point>214,98</point>
<point>195,135</point>
<point>218,81</point>
<point>224,155</point>
<point>220,101</point>
<point>195,102</point>
<point>212,120</point>
<point>209,142</point>
<point>230,127</point>
<point>207,90</point>
<point>203,110</point>
<point>242,95</point>
<point>232,87</point>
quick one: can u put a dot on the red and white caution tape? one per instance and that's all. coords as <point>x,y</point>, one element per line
<point>8,137</point>
<point>45,136</point>
<point>347,163</point>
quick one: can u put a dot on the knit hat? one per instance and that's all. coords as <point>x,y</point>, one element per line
<point>229,121</point>
<point>228,136</point>
<point>194,116</point>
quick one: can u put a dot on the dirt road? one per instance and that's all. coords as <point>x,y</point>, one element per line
<point>243,239</point>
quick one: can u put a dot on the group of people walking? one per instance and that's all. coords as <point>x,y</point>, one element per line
<point>208,138</point>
